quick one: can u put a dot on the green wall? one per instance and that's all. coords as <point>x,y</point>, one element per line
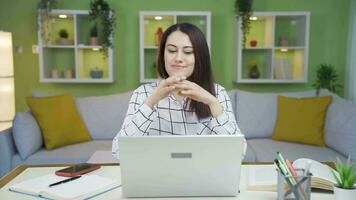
<point>328,41</point>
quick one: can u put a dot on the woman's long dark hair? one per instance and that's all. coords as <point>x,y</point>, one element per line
<point>202,73</point>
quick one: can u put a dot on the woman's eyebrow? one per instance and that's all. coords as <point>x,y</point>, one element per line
<point>187,47</point>
<point>171,45</point>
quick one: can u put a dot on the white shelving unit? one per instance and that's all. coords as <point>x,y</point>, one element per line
<point>278,43</point>
<point>77,57</point>
<point>148,27</point>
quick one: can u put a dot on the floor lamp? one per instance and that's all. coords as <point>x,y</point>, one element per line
<point>7,88</point>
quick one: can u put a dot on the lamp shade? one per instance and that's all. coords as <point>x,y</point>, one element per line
<point>7,94</point>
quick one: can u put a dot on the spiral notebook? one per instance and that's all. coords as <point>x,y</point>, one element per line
<point>81,188</point>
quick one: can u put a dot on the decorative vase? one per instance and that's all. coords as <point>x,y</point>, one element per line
<point>283,41</point>
<point>68,73</point>
<point>254,72</point>
<point>96,73</point>
<point>253,43</point>
<point>94,41</point>
<point>344,194</point>
<point>55,73</point>
<point>158,36</point>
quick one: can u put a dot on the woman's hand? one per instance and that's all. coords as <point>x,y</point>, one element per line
<point>194,91</point>
<point>164,88</point>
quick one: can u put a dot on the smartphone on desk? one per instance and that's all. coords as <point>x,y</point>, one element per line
<point>77,170</point>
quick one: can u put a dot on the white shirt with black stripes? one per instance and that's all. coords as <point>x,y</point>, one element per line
<point>171,117</point>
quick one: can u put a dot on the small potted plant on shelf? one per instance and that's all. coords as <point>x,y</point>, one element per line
<point>94,40</point>
<point>345,189</point>
<point>63,37</point>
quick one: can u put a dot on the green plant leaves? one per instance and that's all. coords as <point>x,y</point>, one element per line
<point>44,8</point>
<point>101,12</point>
<point>326,77</point>
<point>243,9</point>
<point>347,174</point>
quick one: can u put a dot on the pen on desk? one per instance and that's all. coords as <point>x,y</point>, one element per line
<point>64,181</point>
<point>307,168</point>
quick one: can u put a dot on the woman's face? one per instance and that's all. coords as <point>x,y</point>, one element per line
<point>179,55</point>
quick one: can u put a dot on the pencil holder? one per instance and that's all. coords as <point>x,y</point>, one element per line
<point>294,187</point>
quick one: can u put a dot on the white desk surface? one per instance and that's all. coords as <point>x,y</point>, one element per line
<point>114,172</point>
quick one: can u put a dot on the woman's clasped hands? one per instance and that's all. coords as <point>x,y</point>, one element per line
<point>181,87</point>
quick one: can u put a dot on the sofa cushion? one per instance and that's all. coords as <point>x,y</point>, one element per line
<point>340,127</point>
<point>250,155</point>
<point>59,120</point>
<point>26,133</point>
<point>232,96</point>
<point>301,120</point>
<point>75,153</point>
<point>256,112</point>
<point>266,151</point>
<point>103,115</point>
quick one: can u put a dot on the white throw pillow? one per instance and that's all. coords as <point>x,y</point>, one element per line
<point>103,115</point>
<point>340,127</point>
<point>255,113</point>
<point>27,134</point>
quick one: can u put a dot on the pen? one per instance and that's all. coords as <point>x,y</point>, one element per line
<point>284,171</point>
<point>295,175</point>
<point>289,179</point>
<point>307,168</point>
<point>283,165</point>
<point>64,181</point>
<point>291,168</point>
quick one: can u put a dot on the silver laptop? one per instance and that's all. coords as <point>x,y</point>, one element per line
<point>172,166</point>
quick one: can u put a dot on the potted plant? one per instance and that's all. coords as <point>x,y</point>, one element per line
<point>243,10</point>
<point>63,37</point>
<point>345,189</point>
<point>94,40</point>
<point>326,77</point>
<point>101,12</point>
<point>44,8</point>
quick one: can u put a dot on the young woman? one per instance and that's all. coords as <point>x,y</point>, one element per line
<point>186,101</point>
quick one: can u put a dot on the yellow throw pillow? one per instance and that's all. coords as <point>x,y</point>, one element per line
<point>301,120</point>
<point>59,120</point>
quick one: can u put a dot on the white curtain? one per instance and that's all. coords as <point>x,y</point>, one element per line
<point>350,76</point>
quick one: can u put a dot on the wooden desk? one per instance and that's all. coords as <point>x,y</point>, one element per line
<point>113,171</point>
